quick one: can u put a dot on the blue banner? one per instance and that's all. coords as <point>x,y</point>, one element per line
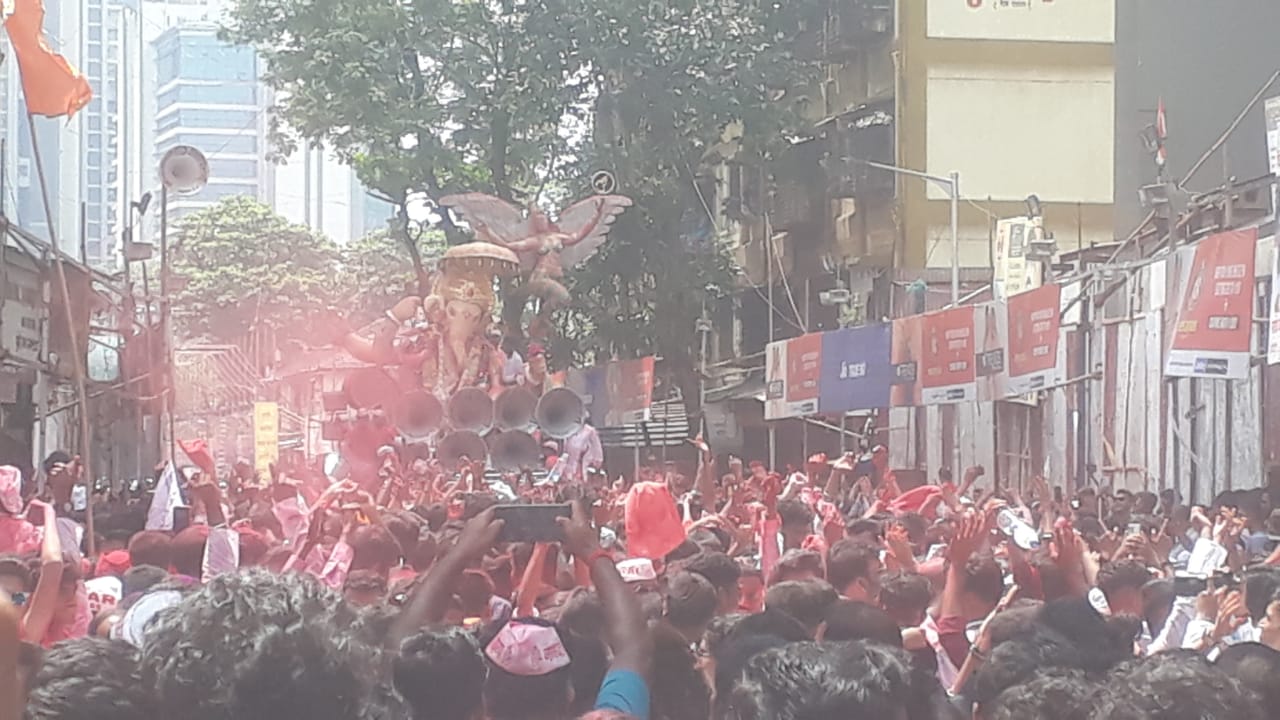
<point>856,369</point>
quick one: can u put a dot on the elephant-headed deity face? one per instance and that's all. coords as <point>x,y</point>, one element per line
<point>463,319</point>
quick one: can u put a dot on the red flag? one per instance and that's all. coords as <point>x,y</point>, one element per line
<point>52,87</point>
<point>198,451</point>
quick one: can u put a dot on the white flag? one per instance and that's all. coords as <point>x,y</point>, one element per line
<point>166,498</point>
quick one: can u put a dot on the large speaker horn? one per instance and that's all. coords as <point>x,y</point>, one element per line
<point>470,409</point>
<point>458,445</point>
<point>513,450</point>
<point>560,413</point>
<point>514,409</point>
<point>418,414</point>
<point>184,170</point>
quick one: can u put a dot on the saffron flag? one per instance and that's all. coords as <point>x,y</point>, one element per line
<point>52,87</point>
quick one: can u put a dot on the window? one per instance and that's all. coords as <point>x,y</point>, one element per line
<point>95,122</point>
<point>221,94</point>
<point>93,228</point>
<point>211,144</point>
<point>95,33</point>
<point>93,248</point>
<point>204,57</point>
<point>95,141</point>
<point>95,15</point>
<point>223,168</point>
<point>93,195</point>
<point>220,119</point>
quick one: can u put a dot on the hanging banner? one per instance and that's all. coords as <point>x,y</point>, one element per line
<point>990,327</point>
<point>1272,115</point>
<point>1033,340</point>
<point>857,372</point>
<point>1273,337</point>
<point>616,393</point>
<point>905,356</point>
<point>1214,329</point>
<point>266,436</point>
<point>948,372</point>
<point>792,370</point>
<point>1012,273</point>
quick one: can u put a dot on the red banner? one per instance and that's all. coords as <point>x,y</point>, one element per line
<point>1033,339</point>
<point>629,384</point>
<point>792,370</point>
<point>1213,335</point>
<point>948,370</point>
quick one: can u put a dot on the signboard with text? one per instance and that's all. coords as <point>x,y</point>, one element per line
<point>1214,328</point>
<point>792,370</point>
<point>948,372</point>
<point>990,328</point>
<point>1033,340</point>
<point>1273,336</point>
<point>905,357</point>
<point>22,312</point>
<point>1068,21</point>
<point>857,373</point>
<point>266,436</point>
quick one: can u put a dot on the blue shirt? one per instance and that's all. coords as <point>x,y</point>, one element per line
<point>625,692</point>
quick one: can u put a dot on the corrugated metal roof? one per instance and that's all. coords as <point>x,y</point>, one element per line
<point>668,425</point>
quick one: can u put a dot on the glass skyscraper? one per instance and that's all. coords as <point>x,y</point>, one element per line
<point>208,96</point>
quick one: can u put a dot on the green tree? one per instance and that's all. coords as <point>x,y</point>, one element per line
<point>377,271</point>
<point>518,98</point>
<point>239,268</point>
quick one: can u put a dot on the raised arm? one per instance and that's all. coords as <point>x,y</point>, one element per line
<point>428,602</point>
<point>628,633</point>
<point>45,598</point>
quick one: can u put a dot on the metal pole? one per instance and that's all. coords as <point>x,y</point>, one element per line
<point>84,233</point>
<point>956,470</point>
<point>86,443</point>
<point>166,331</point>
<point>955,241</point>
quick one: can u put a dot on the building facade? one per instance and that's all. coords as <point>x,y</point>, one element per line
<point>209,97</point>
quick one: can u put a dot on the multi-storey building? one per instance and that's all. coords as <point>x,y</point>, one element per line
<point>209,97</point>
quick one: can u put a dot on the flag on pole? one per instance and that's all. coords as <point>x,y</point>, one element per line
<point>52,87</point>
<point>1162,132</point>
<point>167,497</point>
<point>198,451</point>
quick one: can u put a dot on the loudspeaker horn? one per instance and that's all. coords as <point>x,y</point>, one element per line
<point>418,414</point>
<point>461,444</point>
<point>470,409</point>
<point>560,413</point>
<point>514,409</point>
<point>513,450</point>
<point>184,170</point>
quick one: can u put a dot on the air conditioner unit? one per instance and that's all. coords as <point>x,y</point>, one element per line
<point>835,296</point>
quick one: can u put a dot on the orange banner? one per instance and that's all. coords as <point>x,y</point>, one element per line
<point>52,87</point>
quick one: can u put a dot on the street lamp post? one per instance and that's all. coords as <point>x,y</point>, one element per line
<point>951,184</point>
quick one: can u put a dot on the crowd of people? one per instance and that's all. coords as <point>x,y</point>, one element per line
<point>725,591</point>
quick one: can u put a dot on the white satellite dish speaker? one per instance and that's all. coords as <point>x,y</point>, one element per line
<point>184,170</point>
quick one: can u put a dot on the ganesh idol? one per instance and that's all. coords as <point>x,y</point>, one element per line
<point>442,343</point>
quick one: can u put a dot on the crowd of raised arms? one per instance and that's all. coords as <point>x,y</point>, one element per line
<point>718,591</point>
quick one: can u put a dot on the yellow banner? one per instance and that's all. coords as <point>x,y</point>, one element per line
<point>266,436</point>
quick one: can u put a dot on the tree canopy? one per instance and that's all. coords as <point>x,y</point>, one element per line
<point>524,100</point>
<point>239,267</point>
